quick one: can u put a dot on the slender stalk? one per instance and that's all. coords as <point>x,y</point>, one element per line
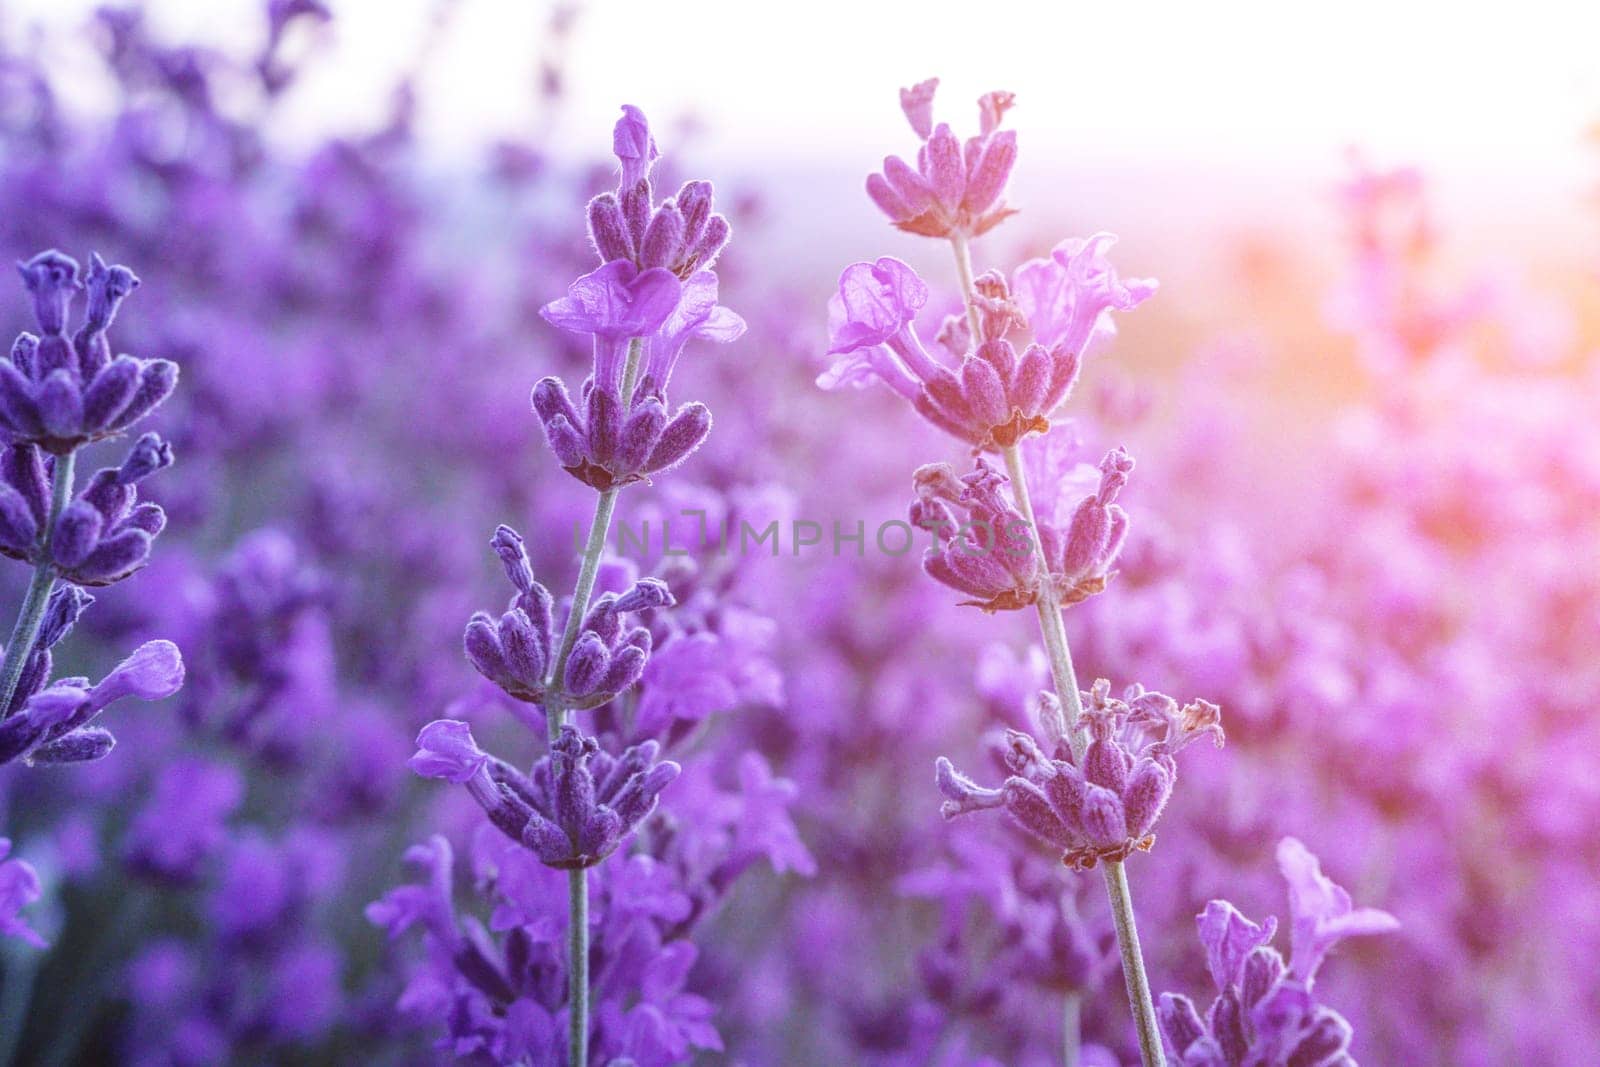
<point>1071,1028</point>
<point>1116,877</point>
<point>1051,626</point>
<point>1144,1010</point>
<point>16,993</point>
<point>31,615</point>
<point>1048,608</point>
<point>578,968</point>
<point>555,711</point>
<point>958,242</point>
<point>555,708</point>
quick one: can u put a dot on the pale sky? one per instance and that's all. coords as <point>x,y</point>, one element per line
<point>1495,97</point>
<point>1229,81</point>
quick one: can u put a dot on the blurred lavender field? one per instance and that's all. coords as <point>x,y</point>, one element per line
<point>1339,477</point>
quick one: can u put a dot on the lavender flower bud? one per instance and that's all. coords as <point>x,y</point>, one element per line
<point>645,594</point>
<point>60,404</point>
<point>67,603</point>
<point>157,379</point>
<point>77,534</point>
<point>946,171</point>
<point>608,230</point>
<point>25,354</point>
<point>917,104</point>
<point>114,558</point>
<point>640,434</point>
<point>1146,795</point>
<point>17,528</point>
<point>52,281</point>
<point>988,179</point>
<point>18,410</point>
<point>694,201</point>
<point>509,546</point>
<point>662,238</point>
<point>110,393</point>
<point>482,646</point>
<point>713,239</point>
<point>107,288</point>
<point>83,745</point>
<point>586,666</point>
<point>149,454</point>
<point>633,146</point>
<point>1180,1024</point>
<point>523,649</point>
<point>685,433</point>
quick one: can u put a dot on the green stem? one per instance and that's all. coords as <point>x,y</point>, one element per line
<point>1071,1028</point>
<point>1059,653</point>
<point>1066,682</point>
<point>555,706</point>
<point>555,711</point>
<point>1144,1010</point>
<point>958,242</point>
<point>1048,608</point>
<point>578,968</point>
<point>21,971</point>
<point>31,615</point>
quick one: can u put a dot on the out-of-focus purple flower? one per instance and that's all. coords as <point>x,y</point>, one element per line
<point>1322,911</point>
<point>1106,806</point>
<point>955,188</point>
<point>61,393</point>
<point>19,887</point>
<point>185,820</point>
<point>1265,1012</point>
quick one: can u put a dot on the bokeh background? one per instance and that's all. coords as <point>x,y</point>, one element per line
<point>1365,514</point>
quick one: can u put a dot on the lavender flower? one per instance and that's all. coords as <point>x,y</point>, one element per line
<point>983,546</point>
<point>682,234</point>
<point>1067,299</point>
<point>1265,1012</point>
<point>573,810</point>
<point>1104,806</point>
<point>994,396</point>
<point>982,543</point>
<point>105,534</point>
<point>955,188</point>
<point>60,393</point>
<point>52,724</point>
<point>517,651</point>
<point>654,291</point>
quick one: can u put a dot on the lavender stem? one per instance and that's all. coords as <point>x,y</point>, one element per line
<point>555,716</point>
<point>31,615</point>
<point>1065,678</point>
<point>1144,1011</point>
<point>1071,1028</point>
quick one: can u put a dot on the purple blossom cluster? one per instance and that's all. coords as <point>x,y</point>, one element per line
<point>673,804</point>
